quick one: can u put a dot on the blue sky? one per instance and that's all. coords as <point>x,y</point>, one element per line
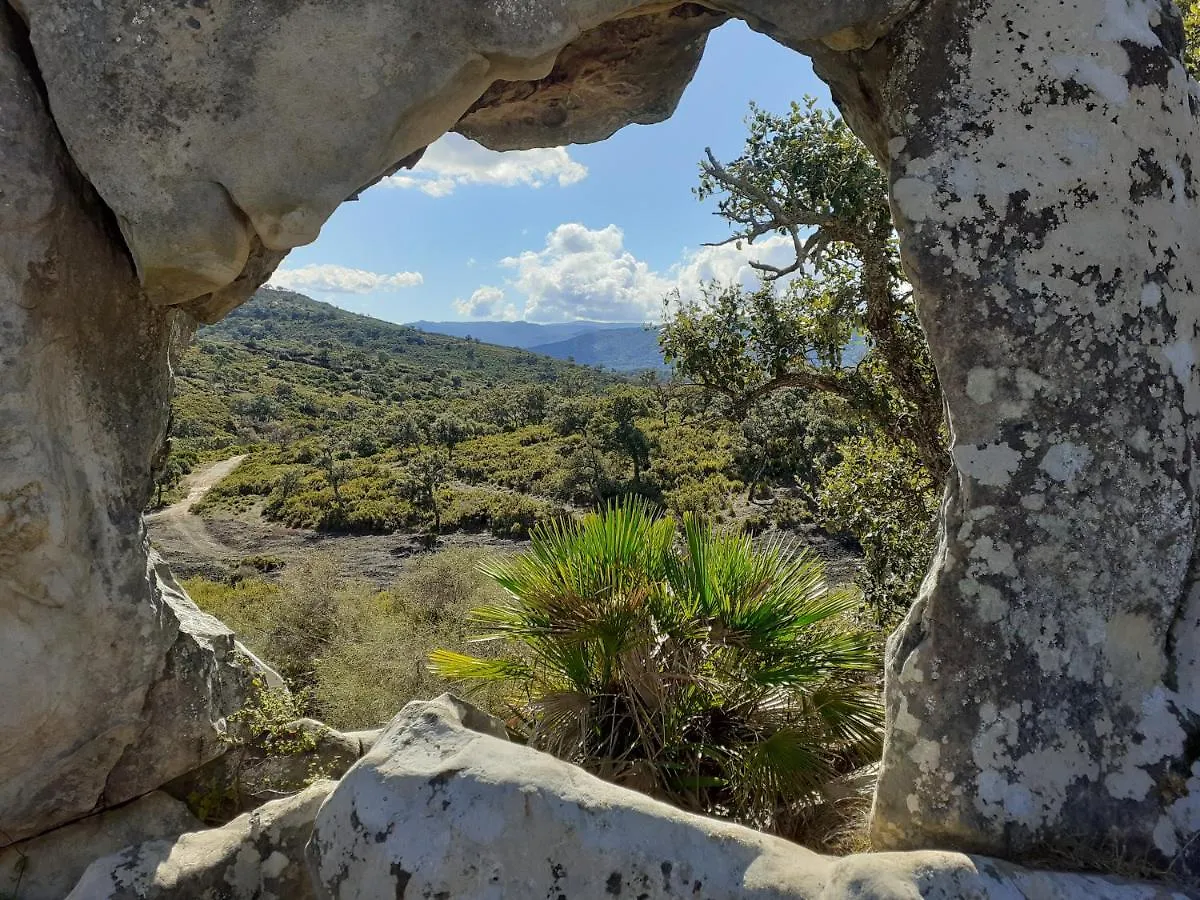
<point>599,231</point>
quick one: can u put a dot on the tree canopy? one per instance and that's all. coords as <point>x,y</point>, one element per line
<point>838,317</point>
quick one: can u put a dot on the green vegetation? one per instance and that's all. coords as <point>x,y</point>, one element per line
<point>786,397</point>
<point>352,654</point>
<point>724,678</point>
<point>837,327</point>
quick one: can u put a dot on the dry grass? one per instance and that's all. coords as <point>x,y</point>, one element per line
<point>355,655</point>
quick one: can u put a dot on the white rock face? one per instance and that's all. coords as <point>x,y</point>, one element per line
<point>438,809</point>
<point>47,867</point>
<point>111,682</point>
<point>319,99</point>
<point>258,856</point>
<point>1043,691</point>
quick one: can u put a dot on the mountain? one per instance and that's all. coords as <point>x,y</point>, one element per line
<point>621,349</point>
<point>294,328</point>
<point>525,335</point>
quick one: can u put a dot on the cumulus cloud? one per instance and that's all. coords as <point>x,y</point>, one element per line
<point>487,303</point>
<point>455,161</point>
<point>584,273</point>
<point>730,264</point>
<point>335,279</point>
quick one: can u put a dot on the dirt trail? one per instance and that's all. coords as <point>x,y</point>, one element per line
<point>179,534</point>
<point>214,547</point>
<point>198,484</point>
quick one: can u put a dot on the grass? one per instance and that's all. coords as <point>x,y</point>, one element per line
<point>354,655</point>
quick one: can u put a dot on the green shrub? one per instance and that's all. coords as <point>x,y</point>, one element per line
<point>354,655</point>
<point>722,678</point>
<point>882,497</point>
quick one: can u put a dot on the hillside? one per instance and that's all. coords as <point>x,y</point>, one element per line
<point>621,349</point>
<point>284,368</point>
<point>350,424</point>
<point>296,328</point>
<point>525,335</point>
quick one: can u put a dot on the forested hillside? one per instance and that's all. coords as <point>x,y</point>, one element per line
<point>358,425</point>
<point>620,349</point>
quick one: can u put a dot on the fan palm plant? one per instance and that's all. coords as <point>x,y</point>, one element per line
<point>719,676</point>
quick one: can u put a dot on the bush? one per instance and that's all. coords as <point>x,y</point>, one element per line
<point>722,678</point>
<point>353,655</point>
<point>882,497</point>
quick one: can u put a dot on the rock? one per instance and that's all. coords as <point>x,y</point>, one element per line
<point>440,809</point>
<point>258,856</point>
<point>150,97</point>
<point>249,774</point>
<point>112,683</point>
<point>629,70</point>
<point>1044,692</point>
<point>183,716</point>
<point>47,867</point>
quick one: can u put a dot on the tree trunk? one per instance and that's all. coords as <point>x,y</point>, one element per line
<point>1044,692</point>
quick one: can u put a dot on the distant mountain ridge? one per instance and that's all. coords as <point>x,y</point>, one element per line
<point>621,346</point>
<point>619,349</point>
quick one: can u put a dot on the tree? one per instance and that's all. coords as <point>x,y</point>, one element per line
<point>169,478</point>
<point>721,677</point>
<point>425,477</point>
<point>838,318</point>
<point>624,434</point>
<point>449,431</point>
<point>1191,32</point>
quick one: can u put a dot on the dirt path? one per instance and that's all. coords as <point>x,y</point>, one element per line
<point>182,536</point>
<point>198,483</point>
<point>215,547</point>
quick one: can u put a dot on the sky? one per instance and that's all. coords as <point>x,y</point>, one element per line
<point>598,231</point>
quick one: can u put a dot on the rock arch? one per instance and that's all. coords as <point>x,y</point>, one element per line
<point>158,159</point>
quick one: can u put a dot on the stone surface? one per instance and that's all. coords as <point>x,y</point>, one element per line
<point>1045,689</point>
<point>631,70</point>
<point>247,776</point>
<point>258,856</point>
<point>47,867</point>
<point>438,809</point>
<point>319,99</point>
<point>111,682</point>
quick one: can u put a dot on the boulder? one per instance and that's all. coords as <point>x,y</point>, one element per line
<point>112,681</point>
<point>1044,691</point>
<point>258,856</point>
<point>444,806</point>
<point>150,97</point>
<point>251,773</point>
<point>47,867</point>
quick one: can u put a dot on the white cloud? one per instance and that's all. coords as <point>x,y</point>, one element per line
<point>342,280</point>
<point>585,273</point>
<point>486,303</point>
<point>730,264</point>
<point>454,161</point>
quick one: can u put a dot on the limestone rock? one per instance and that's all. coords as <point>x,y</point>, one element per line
<point>630,70</point>
<point>111,684</point>
<point>47,867</point>
<point>258,856</point>
<point>183,716</point>
<point>246,776</point>
<point>439,809</point>
<point>212,130</point>
<point>1045,689</point>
